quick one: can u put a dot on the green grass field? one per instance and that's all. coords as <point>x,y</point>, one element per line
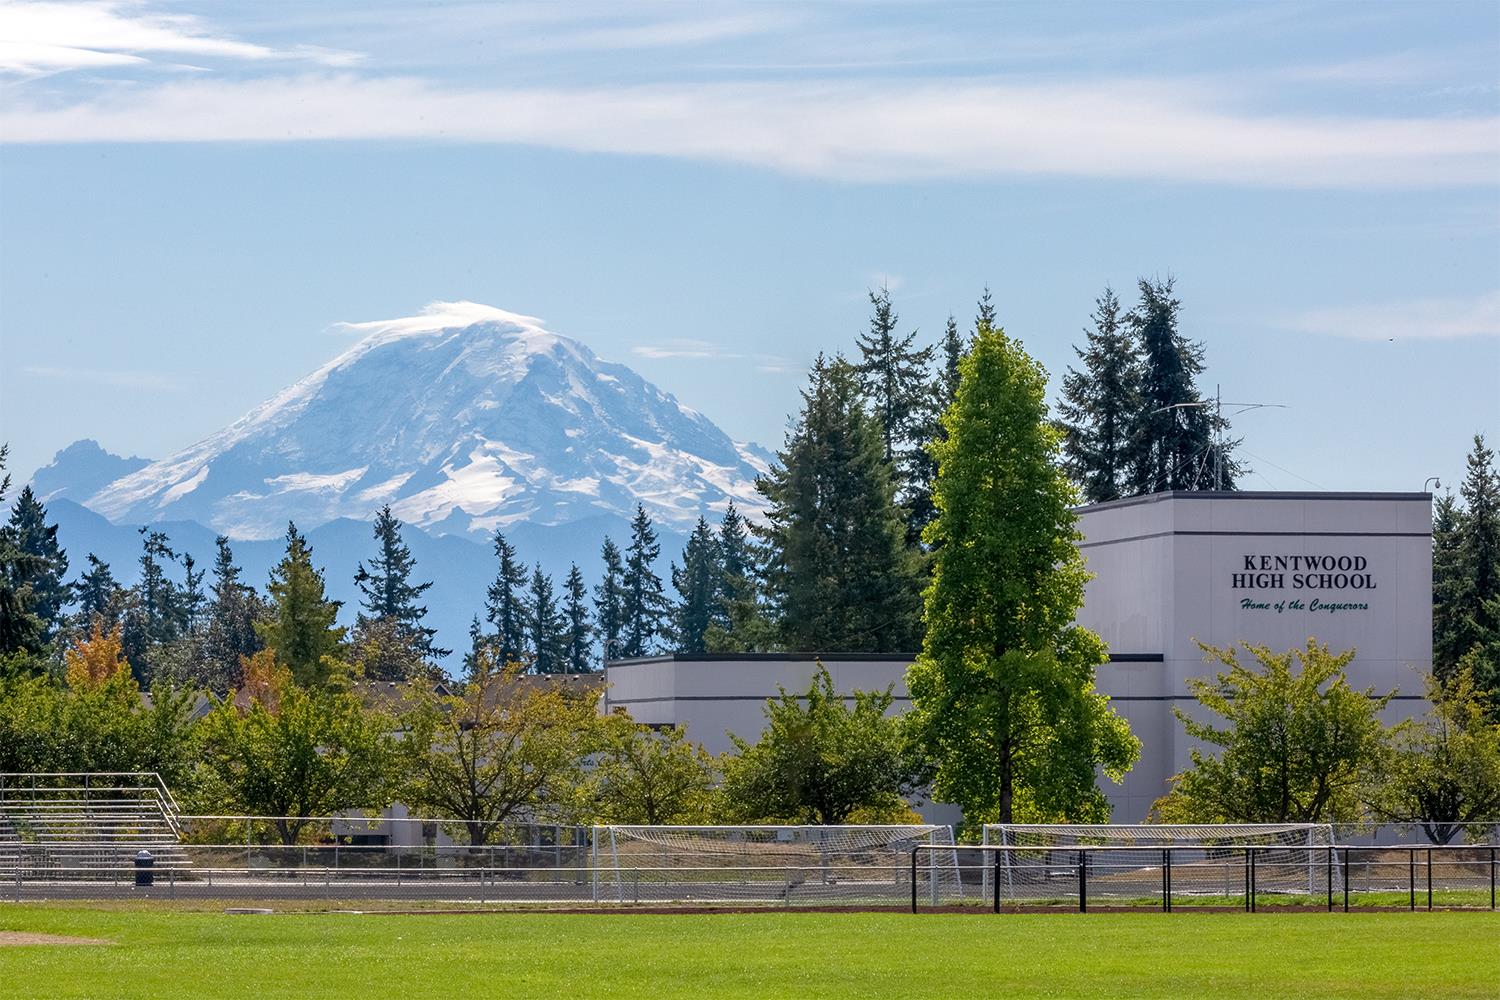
<point>161,954</point>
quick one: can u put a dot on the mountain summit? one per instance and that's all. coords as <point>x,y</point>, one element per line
<point>464,419</point>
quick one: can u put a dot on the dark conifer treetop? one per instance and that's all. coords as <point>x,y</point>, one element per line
<point>645,607</point>
<point>505,604</point>
<point>609,602</point>
<point>840,576</point>
<point>699,583</point>
<point>386,587</point>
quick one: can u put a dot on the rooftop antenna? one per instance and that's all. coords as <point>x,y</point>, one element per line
<point>1218,404</point>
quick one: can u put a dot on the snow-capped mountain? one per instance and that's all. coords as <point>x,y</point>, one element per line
<point>465,418</point>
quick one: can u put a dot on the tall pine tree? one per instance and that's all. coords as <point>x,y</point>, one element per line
<point>233,609</point>
<point>387,591</point>
<point>1101,405</point>
<point>505,604</point>
<point>578,625</point>
<point>1466,577</point>
<point>1173,441</point>
<point>302,626</point>
<point>698,583</point>
<point>20,628</point>
<point>840,577</point>
<point>97,594</point>
<point>546,626</point>
<point>646,611</point>
<point>31,534</point>
<point>609,602</point>
<point>894,376</point>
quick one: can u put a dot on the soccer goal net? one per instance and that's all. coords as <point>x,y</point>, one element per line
<point>1204,860</point>
<point>789,865</point>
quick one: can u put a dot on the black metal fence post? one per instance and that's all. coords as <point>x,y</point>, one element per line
<point>1083,882</point>
<point>1346,880</point>
<point>1411,876</point>
<point>914,851</point>
<point>1330,880</point>
<point>1492,878</point>
<point>996,879</point>
<point>1429,878</point>
<point>1166,880</point>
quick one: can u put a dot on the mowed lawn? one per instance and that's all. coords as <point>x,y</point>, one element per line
<point>160,954</point>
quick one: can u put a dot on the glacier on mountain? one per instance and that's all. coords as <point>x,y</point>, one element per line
<point>464,418</point>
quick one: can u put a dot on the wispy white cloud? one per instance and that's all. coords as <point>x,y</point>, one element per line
<point>1410,319</point>
<point>867,132</point>
<point>111,377</point>
<point>47,37</point>
<point>704,350</point>
<point>657,33</point>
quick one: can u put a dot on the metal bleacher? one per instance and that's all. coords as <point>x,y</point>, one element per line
<point>82,824</point>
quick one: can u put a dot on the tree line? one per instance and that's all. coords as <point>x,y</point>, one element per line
<point>916,503</point>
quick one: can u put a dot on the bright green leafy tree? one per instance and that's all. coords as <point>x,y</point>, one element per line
<point>298,754</point>
<point>821,761</point>
<point>1003,692</point>
<point>1294,744</point>
<point>644,775</point>
<point>1442,770</point>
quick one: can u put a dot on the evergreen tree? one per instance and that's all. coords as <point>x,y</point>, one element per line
<point>840,576</point>
<point>609,602</point>
<point>1003,696</point>
<point>546,625</point>
<point>984,315</point>
<point>301,628</point>
<point>699,584</point>
<point>31,534</point>
<point>1101,405</point>
<point>645,607</point>
<point>893,374</point>
<point>20,628</point>
<point>1173,441</point>
<point>191,599</point>
<point>579,629</point>
<point>953,352</point>
<point>505,604</point>
<point>1466,577</point>
<point>97,594</point>
<point>387,590</point>
<point>157,597</point>
<point>233,609</point>
<point>737,592</point>
<point>479,654</point>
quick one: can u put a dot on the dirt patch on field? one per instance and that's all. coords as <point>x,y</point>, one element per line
<point>17,938</point>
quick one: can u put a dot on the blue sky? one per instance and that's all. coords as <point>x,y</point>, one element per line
<point>193,196</point>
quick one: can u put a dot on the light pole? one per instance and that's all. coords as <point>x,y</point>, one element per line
<point>1218,404</point>
<point>1436,483</point>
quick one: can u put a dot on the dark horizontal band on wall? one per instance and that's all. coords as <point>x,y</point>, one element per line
<point>1260,534</point>
<point>1189,697</point>
<point>1252,495</point>
<point>825,657</point>
<point>617,700</point>
<point>765,658</point>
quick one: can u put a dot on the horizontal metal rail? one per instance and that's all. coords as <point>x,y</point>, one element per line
<point>1083,853</point>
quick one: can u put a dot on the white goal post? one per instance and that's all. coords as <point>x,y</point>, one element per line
<point>787,865</point>
<point>1204,858</point>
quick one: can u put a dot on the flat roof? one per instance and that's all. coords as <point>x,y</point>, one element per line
<point>1256,495</point>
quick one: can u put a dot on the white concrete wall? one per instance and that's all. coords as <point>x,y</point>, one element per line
<point>1165,570</point>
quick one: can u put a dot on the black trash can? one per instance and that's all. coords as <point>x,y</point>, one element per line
<point>143,873</point>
